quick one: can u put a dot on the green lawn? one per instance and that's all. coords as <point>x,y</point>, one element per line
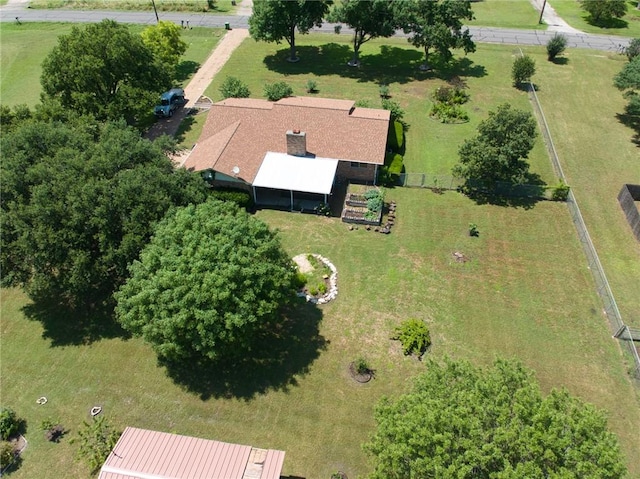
<point>628,26</point>
<point>525,292</point>
<point>506,14</point>
<point>25,46</point>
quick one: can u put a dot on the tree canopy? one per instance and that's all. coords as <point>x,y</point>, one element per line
<point>462,422</point>
<point>499,151</point>
<point>628,81</point>
<point>165,42</point>
<point>104,70</point>
<point>368,18</point>
<point>80,200</point>
<point>604,10</point>
<point>436,25</point>
<point>209,280</point>
<point>277,20</point>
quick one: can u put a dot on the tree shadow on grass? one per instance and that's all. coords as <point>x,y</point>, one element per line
<point>277,357</point>
<point>66,326</point>
<point>185,69</point>
<point>391,65</point>
<point>633,122</point>
<point>510,195</point>
<point>607,22</point>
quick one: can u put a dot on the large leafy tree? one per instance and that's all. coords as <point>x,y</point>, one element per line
<point>628,81</point>
<point>209,281</point>
<point>277,20</point>
<point>80,200</point>
<point>165,41</point>
<point>368,18</point>
<point>104,70</point>
<point>465,422</point>
<point>604,10</point>
<point>499,151</point>
<point>436,25</point>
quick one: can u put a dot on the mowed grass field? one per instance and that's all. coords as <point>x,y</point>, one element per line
<point>525,291</point>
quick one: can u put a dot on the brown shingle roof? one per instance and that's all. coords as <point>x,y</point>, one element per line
<point>141,453</point>
<point>334,129</point>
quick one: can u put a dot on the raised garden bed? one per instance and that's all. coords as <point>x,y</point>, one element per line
<point>358,216</point>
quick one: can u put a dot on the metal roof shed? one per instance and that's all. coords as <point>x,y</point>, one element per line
<point>144,454</point>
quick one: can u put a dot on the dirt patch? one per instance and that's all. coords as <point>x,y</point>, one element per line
<point>303,263</point>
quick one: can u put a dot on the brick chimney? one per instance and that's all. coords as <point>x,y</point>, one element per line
<point>296,143</point>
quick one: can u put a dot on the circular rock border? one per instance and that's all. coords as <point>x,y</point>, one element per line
<point>42,400</point>
<point>95,410</point>
<point>360,377</point>
<point>333,283</point>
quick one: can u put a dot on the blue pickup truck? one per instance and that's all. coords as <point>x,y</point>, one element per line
<point>169,102</point>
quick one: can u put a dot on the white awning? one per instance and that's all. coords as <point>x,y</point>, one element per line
<point>296,173</point>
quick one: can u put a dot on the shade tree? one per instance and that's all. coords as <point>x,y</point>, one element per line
<point>104,70</point>
<point>211,279</point>
<point>277,20</point>
<point>604,10</point>
<point>368,18</point>
<point>461,421</point>
<point>436,26</point>
<point>165,42</point>
<point>628,81</point>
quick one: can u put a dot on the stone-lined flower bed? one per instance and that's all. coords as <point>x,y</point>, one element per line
<point>332,290</point>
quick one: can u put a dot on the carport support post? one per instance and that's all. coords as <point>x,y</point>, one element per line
<point>291,191</point>
<point>255,198</point>
<point>325,198</point>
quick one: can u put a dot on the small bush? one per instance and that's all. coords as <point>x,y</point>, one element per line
<point>448,113</point>
<point>312,86</point>
<point>361,365</point>
<point>395,164</point>
<point>97,438</point>
<point>384,91</point>
<point>242,198</point>
<point>277,91</point>
<point>414,336</point>
<point>633,50</point>
<point>556,45</point>
<point>313,291</point>
<point>362,104</point>
<point>397,113</point>
<point>450,95</point>
<point>234,88</point>
<point>395,136</point>
<point>300,280</point>
<point>7,454</point>
<point>473,230</point>
<point>10,424</point>
<point>560,192</point>
<point>524,67</point>
<point>322,288</point>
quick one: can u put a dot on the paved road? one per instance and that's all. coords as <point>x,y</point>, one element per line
<point>8,13</point>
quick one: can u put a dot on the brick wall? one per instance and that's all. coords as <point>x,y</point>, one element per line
<point>365,172</point>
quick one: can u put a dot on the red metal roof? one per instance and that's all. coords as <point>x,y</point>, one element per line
<point>144,454</point>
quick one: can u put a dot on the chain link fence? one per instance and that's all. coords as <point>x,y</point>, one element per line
<point>611,310</point>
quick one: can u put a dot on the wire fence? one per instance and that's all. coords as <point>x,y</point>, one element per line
<point>611,310</point>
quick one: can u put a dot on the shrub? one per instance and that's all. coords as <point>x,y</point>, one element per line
<point>361,365</point>
<point>322,287</point>
<point>451,95</point>
<point>414,336</point>
<point>395,136</point>
<point>396,164</point>
<point>560,192</point>
<point>633,50</point>
<point>312,86</point>
<point>313,291</point>
<point>556,45</point>
<point>473,230</point>
<point>384,91</point>
<point>277,91</point>
<point>7,454</point>
<point>97,438</point>
<point>300,280</point>
<point>449,113</point>
<point>397,113</point>
<point>240,197</point>
<point>234,88</point>
<point>10,424</point>
<point>523,69</point>
<point>362,103</point>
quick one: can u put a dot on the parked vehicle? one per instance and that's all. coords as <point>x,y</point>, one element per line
<point>170,101</point>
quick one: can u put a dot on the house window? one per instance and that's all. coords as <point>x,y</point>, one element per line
<point>355,164</point>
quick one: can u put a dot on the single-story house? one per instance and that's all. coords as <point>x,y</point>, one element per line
<point>293,149</point>
<point>144,454</point>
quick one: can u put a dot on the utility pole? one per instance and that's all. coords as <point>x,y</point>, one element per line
<point>544,4</point>
<point>156,10</point>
